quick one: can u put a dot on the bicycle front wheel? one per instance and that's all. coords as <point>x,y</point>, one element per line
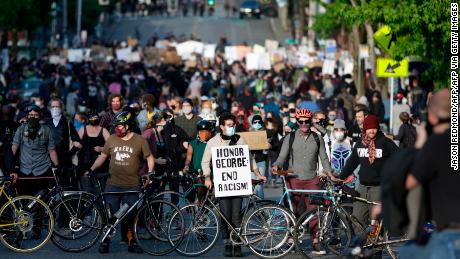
<point>159,227</point>
<point>328,226</point>
<point>78,221</point>
<point>268,231</point>
<point>202,230</point>
<point>394,244</point>
<point>26,224</point>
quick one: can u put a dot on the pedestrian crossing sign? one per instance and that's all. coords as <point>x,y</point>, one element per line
<point>387,67</point>
<point>386,38</point>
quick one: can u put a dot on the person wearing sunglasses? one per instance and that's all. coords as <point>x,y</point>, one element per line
<point>301,149</point>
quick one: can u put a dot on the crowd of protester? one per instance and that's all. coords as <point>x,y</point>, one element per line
<point>75,109</point>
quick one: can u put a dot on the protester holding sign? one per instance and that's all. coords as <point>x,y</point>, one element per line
<point>230,206</point>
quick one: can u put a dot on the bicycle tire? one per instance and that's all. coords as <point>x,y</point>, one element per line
<point>68,235</point>
<point>168,196</point>
<point>267,215</point>
<point>151,220</point>
<point>391,248</point>
<point>304,246</point>
<point>199,226</point>
<point>18,236</point>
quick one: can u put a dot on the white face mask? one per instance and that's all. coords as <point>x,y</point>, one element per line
<point>214,106</point>
<point>187,110</point>
<point>38,103</point>
<point>206,111</point>
<point>56,112</point>
<point>229,131</point>
<point>339,135</point>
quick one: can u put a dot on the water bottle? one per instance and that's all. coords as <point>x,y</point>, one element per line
<point>124,207</point>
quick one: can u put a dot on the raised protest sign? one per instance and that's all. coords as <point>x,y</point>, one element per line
<point>75,55</point>
<point>231,171</point>
<point>257,140</point>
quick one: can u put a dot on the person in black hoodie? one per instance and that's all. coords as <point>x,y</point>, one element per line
<point>371,153</point>
<point>175,141</point>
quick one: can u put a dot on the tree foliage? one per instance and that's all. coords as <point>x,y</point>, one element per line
<point>24,14</point>
<point>422,28</point>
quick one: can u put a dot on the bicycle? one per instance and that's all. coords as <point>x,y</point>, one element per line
<point>153,226</point>
<point>26,223</point>
<point>266,229</point>
<point>334,229</point>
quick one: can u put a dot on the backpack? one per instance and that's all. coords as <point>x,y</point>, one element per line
<point>291,142</point>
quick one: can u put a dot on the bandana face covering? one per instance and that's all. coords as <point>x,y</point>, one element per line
<point>120,133</point>
<point>370,143</point>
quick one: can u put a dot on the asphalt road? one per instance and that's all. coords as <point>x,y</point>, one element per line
<point>208,29</point>
<point>117,250</point>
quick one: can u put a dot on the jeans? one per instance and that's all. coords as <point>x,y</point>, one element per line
<point>444,244</point>
<point>259,189</point>
<point>115,200</point>
<point>231,208</point>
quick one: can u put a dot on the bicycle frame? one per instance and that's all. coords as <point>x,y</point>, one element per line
<point>20,222</point>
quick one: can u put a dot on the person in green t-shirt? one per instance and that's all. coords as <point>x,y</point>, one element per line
<point>195,152</point>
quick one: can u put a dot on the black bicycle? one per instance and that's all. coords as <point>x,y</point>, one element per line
<point>81,222</point>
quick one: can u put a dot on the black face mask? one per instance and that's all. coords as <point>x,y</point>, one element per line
<point>33,127</point>
<point>323,123</point>
<point>94,122</point>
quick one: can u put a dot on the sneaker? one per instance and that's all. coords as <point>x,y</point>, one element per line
<point>318,250</point>
<point>134,248</point>
<point>104,248</point>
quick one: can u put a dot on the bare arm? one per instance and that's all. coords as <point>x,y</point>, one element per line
<point>150,163</point>
<point>189,157</point>
<point>54,157</point>
<point>105,133</point>
<point>99,161</point>
<point>14,148</point>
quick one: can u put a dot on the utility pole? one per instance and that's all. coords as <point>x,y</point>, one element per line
<point>64,24</point>
<point>78,31</point>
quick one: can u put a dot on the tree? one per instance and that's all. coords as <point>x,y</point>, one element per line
<point>17,15</point>
<point>422,28</point>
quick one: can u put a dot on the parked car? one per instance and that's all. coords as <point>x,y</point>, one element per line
<point>250,8</point>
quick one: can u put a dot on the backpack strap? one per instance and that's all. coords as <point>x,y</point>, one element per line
<point>318,143</point>
<point>291,142</point>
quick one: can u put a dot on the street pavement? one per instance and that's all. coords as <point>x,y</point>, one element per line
<point>207,29</point>
<point>49,251</point>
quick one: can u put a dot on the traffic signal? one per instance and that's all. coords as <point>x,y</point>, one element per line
<point>211,2</point>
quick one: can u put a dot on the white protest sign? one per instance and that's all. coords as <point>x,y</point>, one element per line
<point>271,45</point>
<point>252,61</point>
<point>231,54</point>
<point>231,171</point>
<point>264,61</point>
<point>123,54</point>
<point>209,51</point>
<point>328,66</point>
<point>75,55</point>
<point>258,49</point>
<point>185,49</point>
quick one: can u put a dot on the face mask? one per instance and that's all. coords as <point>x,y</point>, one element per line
<point>33,127</point>
<point>348,80</point>
<point>323,123</point>
<point>204,135</point>
<point>339,135</point>
<point>82,108</point>
<point>39,103</point>
<point>255,112</point>
<point>229,131</point>
<point>304,128</point>
<point>120,133</point>
<point>214,106</point>
<point>78,125</point>
<point>257,126</point>
<point>293,120</point>
<point>187,110</point>
<point>94,122</point>
<point>206,111</point>
<point>332,117</point>
<point>56,112</point>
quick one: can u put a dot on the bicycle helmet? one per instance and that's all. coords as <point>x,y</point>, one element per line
<point>204,125</point>
<point>124,118</point>
<point>303,114</point>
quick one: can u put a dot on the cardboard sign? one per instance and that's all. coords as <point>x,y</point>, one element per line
<point>231,171</point>
<point>387,67</point>
<point>257,140</point>
<point>172,58</point>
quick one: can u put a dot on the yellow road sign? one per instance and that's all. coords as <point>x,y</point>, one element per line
<point>387,67</point>
<point>386,38</point>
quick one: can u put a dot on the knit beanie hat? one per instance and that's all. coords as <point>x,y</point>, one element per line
<point>371,122</point>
